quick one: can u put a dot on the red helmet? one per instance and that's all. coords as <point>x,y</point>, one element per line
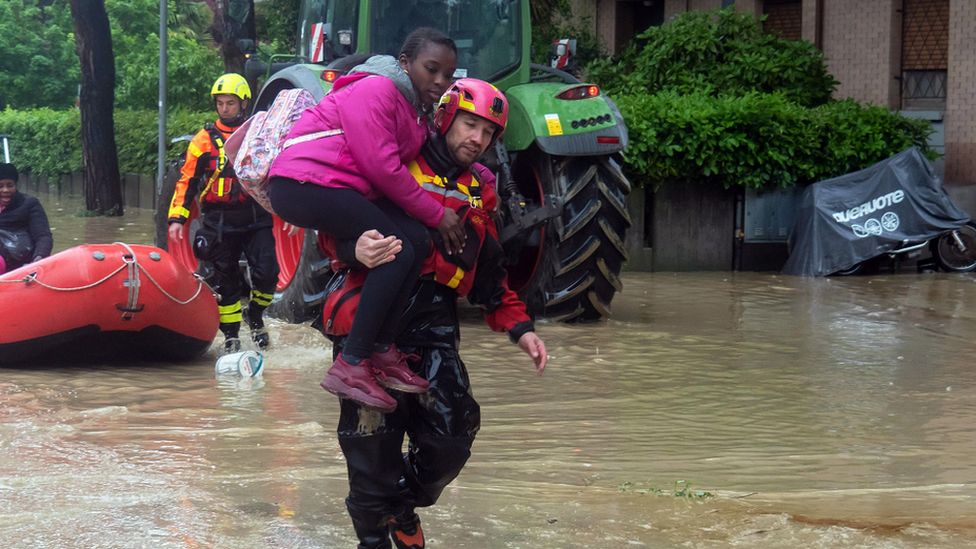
<point>476,97</point>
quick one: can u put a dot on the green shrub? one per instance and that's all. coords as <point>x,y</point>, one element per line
<point>717,53</point>
<point>710,98</point>
<point>48,142</point>
<point>757,140</point>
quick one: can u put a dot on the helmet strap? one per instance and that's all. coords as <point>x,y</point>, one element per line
<point>233,122</point>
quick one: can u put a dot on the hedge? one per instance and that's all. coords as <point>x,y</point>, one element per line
<point>720,53</point>
<point>758,140</point>
<point>710,98</point>
<point>48,142</point>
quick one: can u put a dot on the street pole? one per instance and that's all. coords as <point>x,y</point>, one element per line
<point>161,144</point>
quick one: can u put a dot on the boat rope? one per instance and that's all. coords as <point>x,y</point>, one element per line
<point>131,264</point>
<point>32,278</point>
<point>200,285</point>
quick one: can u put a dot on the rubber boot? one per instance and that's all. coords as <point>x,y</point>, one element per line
<point>371,529</point>
<point>232,343</point>
<point>255,321</point>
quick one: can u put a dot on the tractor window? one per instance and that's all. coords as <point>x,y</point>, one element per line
<point>487,32</point>
<point>327,29</point>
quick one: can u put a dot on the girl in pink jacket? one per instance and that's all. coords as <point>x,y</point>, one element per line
<point>354,179</point>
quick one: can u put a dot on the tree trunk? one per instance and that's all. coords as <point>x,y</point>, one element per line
<point>233,19</point>
<point>93,40</point>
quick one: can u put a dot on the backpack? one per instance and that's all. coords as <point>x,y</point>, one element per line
<point>263,137</point>
<point>342,299</point>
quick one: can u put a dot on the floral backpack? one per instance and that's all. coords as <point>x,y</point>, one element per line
<point>263,136</point>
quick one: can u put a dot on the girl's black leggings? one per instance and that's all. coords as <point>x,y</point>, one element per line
<point>346,214</point>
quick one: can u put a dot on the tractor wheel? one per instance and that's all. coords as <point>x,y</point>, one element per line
<point>301,299</point>
<point>569,268</point>
<point>288,248</point>
<point>181,251</point>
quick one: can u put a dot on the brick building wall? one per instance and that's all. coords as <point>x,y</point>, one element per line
<point>861,41</point>
<point>749,6</point>
<point>674,7</point>
<point>810,21</point>
<point>783,18</point>
<point>960,116</point>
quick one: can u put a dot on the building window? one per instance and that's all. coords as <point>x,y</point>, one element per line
<point>784,18</point>
<point>924,54</point>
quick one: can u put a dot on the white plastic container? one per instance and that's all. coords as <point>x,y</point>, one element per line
<point>244,364</point>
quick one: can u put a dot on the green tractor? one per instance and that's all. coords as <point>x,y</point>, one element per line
<point>564,198</point>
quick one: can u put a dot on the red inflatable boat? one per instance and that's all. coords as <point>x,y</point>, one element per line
<point>114,301</point>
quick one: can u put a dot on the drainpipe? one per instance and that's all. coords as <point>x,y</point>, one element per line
<point>818,33</point>
<point>739,231</point>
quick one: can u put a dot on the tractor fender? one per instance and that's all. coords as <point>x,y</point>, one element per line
<point>305,76</point>
<point>560,127</point>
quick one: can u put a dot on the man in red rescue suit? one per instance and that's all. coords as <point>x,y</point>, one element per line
<point>233,223</point>
<point>386,486</point>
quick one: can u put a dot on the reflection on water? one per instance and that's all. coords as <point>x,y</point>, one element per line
<point>827,412</point>
<point>71,227</point>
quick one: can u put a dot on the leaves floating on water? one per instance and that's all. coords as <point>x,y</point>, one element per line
<point>681,489</point>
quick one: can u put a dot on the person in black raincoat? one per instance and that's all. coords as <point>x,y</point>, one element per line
<point>25,235</point>
<point>385,486</point>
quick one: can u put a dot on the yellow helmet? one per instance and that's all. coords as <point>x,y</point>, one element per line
<point>232,84</point>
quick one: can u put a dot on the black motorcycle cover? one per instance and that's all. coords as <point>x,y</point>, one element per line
<point>843,221</point>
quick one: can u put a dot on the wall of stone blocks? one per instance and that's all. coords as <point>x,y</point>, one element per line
<point>862,46</point>
<point>960,116</point>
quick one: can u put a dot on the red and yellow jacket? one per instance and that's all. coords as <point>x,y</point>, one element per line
<point>206,172</point>
<point>476,273</point>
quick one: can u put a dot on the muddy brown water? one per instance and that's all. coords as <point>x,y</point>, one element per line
<point>713,409</point>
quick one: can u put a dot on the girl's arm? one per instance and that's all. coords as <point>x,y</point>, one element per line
<point>369,120</point>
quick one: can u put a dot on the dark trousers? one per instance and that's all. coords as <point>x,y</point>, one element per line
<point>223,252</point>
<point>441,427</point>
<point>345,214</point>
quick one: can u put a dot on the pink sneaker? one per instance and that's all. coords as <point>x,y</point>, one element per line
<point>357,382</point>
<point>395,373</point>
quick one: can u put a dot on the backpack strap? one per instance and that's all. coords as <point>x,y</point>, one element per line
<point>217,139</point>
<point>310,137</point>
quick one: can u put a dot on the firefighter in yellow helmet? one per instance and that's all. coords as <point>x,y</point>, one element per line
<point>233,223</point>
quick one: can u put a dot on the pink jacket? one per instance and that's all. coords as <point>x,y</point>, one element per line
<point>382,132</point>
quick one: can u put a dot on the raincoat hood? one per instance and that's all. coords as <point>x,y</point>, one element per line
<point>388,66</point>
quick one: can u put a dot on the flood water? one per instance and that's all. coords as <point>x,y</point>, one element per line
<point>713,409</point>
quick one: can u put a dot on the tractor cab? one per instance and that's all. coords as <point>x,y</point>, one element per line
<point>564,211</point>
<point>488,33</point>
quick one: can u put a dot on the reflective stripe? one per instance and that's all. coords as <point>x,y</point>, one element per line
<point>221,162</point>
<point>436,189</point>
<point>231,318</point>
<point>182,212</point>
<point>261,298</point>
<point>194,150</point>
<point>230,313</point>
<point>456,279</point>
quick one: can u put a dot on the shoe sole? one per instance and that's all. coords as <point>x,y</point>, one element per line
<point>335,386</point>
<point>403,387</point>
